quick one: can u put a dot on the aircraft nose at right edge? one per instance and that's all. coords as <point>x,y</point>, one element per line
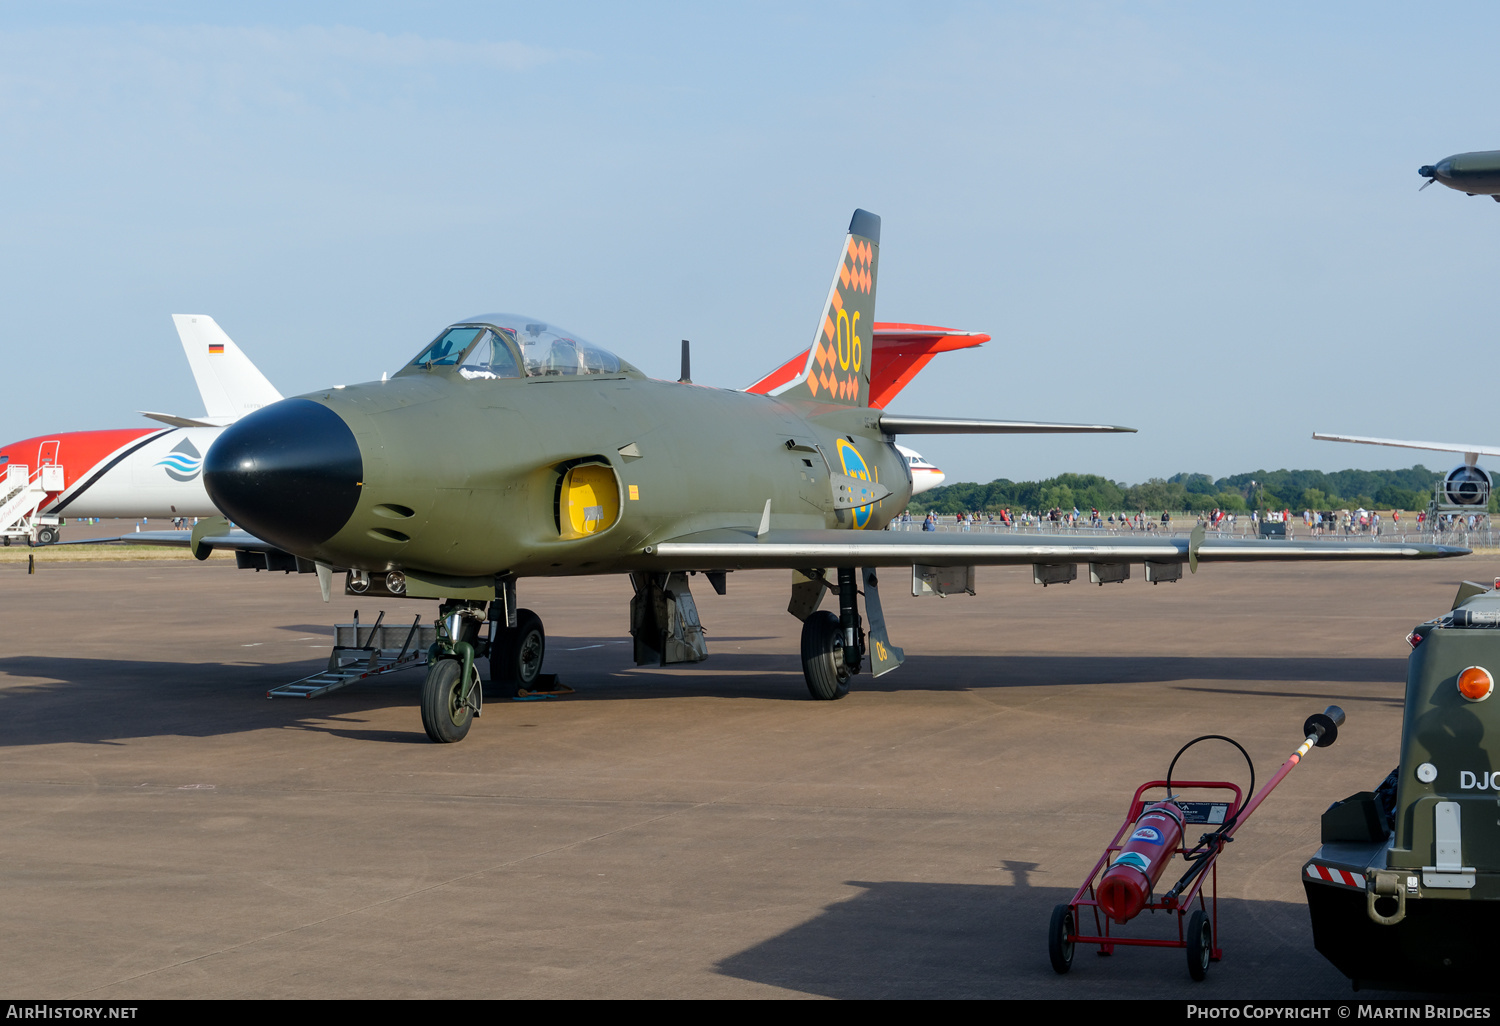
<point>289,474</point>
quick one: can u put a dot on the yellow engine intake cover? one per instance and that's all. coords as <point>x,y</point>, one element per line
<point>591,497</point>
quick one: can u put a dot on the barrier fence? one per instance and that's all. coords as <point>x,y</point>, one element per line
<point>1403,531</point>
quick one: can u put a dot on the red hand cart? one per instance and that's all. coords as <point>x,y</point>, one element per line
<point>1197,927</point>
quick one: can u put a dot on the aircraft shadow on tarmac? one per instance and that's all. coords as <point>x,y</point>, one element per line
<point>95,700</point>
<point>934,940</point>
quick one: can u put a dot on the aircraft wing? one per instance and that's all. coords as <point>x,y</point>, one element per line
<point>896,424</point>
<point>1464,447</point>
<point>233,538</point>
<point>726,549</point>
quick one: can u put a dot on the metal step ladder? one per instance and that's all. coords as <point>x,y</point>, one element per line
<point>24,490</point>
<point>363,652</point>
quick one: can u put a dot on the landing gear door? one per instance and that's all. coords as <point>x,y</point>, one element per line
<point>884,657</point>
<point>664,620</point>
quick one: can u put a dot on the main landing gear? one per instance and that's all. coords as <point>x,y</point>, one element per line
<point>833,646</point>
<point>467,630</point>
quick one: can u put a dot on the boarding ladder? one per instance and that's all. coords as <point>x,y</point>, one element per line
<point>363,652</point>
<point>22,492</point>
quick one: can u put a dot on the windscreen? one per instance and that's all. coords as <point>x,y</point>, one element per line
<point>486,347</point>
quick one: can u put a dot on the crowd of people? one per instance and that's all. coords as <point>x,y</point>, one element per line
<point>1361,522</point>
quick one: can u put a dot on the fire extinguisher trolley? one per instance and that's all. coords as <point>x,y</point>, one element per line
<point>1123,882</point>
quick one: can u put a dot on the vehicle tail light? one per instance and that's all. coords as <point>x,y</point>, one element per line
<point>1476,684</point>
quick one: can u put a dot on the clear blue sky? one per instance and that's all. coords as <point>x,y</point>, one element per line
<point>1200,220</point>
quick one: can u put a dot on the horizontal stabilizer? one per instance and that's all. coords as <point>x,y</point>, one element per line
<point>730,549</point>
<point>176,421</point>
<point>896,424</point>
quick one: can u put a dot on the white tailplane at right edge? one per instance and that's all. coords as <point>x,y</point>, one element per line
<point>1465,487</point>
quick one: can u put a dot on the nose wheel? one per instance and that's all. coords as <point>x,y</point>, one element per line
<point>447,711</point>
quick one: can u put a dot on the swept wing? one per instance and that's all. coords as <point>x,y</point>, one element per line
<point>732,549</point>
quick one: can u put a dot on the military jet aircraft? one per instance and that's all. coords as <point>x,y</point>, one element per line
<point>1474,174</point>
<point>155,472</point>
<point>510,448</point>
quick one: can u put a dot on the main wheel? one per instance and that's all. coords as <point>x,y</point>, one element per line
<point>516,660</point>
<point>823,656</point>
<point>445,716</point>
<point>1060,939</point>
<point>47,536</point>
<point>1200,944</point>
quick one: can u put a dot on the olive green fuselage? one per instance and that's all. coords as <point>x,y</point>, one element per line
<point>1477,173</point>
<point>478,466</point>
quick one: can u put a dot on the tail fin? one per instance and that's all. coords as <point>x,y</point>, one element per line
<point>230,384</point>
<point>838,364</point>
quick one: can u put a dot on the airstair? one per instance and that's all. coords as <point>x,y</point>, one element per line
<point>22,492</point>
<point>363,652</point>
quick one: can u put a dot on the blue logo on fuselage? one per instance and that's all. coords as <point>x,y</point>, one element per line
<point>183,463</point>
<point>854,465</point>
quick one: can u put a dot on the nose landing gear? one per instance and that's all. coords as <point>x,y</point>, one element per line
<point>453,694</point>
<point>448,706</point>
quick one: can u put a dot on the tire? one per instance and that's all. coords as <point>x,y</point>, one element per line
<point>443,718</point>
<point>1200,944</point>
<point>516,661</point>
<point>1060,939</point>
<point>823,657</point>
<point>47,536</point>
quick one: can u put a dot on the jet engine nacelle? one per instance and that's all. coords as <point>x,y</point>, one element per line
<point>1467,485</point>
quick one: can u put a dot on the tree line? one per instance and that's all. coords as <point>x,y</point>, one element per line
<point>1408,489</point>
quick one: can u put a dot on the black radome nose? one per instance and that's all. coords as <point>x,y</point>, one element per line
<point>290,474</point>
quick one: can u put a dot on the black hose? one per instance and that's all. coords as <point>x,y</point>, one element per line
<point>1233,817</point>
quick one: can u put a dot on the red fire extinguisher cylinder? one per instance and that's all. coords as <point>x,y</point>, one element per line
<point>1127,885</point>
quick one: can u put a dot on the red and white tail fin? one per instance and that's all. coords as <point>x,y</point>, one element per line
<point>900,352</point>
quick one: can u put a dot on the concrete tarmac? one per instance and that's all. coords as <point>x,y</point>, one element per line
<point>698,832</point>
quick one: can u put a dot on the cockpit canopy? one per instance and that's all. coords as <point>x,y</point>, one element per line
<point>500,345</point>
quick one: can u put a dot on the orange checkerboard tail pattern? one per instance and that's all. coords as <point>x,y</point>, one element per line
<point>838,364</point>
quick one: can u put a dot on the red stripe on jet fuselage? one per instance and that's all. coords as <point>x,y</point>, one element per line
<point>78,452</point>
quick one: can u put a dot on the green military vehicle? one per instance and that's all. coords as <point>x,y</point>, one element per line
<point>1401,890</point>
